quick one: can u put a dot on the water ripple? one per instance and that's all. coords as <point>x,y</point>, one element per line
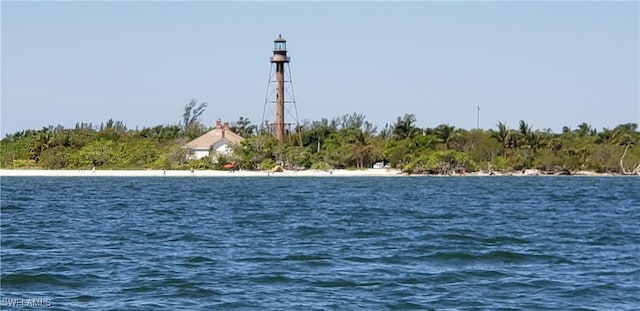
<point>543,243</point>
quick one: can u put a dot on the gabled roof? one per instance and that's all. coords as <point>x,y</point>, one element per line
<point>212,137</point>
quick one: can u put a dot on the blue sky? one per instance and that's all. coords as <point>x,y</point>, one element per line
<point>552,64</point>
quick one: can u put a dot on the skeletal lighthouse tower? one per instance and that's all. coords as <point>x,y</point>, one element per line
<point>283,91</point>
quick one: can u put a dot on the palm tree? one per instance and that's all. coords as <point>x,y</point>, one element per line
<point>358,149</point>
<point>244,128</point>
<point>43,140</point>
<point>503,135</point>
<point>541,139</point>
<point>405,127</point>
<point>386,132</point>
<point>584,129</point>
<point>445,132</point>
<point>606,136</point>
<point>525,132</point>
<point>625,134</point>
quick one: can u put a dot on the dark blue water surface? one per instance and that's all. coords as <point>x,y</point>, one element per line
<point>329,243</point>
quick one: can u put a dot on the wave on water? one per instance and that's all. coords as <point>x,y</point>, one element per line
<point>361,243</point>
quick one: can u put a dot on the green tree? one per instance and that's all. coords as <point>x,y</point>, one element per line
<point>445,133</point>
<point>243,127</point>
<point>441,162</point>
<point>503,135</point>
<point>161,133</point>
<point>99,153</point>
<point>405,127</point>
<point>365,149</point>
<point>584,129</point>
<point>314,134</point>
<point>192,126</point>
<point>525,133</point>
<point>253,150</point>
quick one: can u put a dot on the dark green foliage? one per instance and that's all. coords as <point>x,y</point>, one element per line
<point>442,162</point>
<point>161,133</point>
<point>405,127</point>
<point>243,127</point>
<point>348,141</point>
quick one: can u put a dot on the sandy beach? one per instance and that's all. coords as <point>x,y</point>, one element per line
<point>286,173</point>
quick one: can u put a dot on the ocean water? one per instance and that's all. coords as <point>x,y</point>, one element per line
<point>329,243</point>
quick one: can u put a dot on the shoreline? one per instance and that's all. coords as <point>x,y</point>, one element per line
<point>197,173</point>
<point>286,173</point>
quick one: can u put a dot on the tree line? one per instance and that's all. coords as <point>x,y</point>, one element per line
<point>347,141</point>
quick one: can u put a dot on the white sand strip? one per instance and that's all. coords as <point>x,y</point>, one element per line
<point>287,173</point>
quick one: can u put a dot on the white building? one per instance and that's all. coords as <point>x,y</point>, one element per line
<point>218,140</point>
